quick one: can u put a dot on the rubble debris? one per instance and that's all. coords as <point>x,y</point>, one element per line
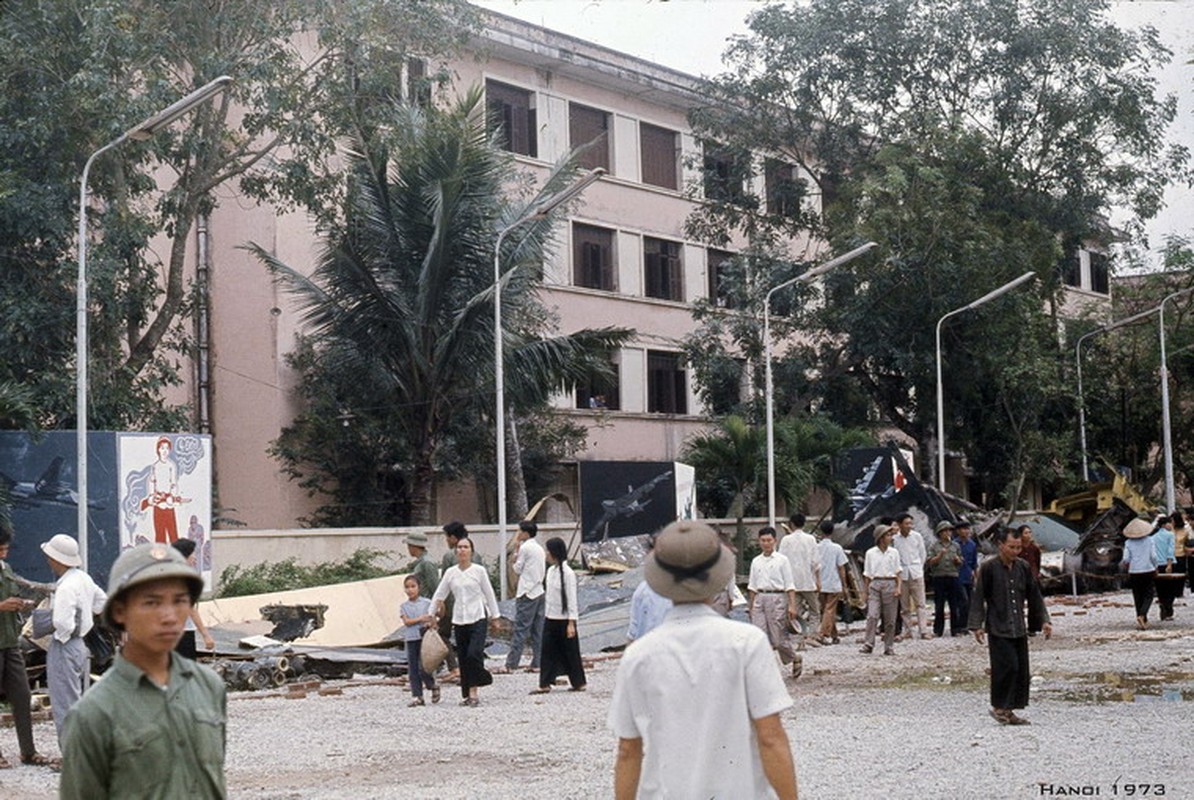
<point>293,621</point>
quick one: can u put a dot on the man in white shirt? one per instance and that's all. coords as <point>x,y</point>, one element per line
<point>771,599</point>
<point>699,681</point>
<point>800,548</point>
<point>911,547</point>
<point>832,570</point>
<point>881,572</point>
<point>75,603</point>
<point>530,565</point>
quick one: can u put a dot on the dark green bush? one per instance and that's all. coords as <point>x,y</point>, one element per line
<point>289,574</point>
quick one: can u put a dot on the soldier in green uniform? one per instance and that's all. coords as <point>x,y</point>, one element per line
<point>423,568</point>
<point>154,727</point>
<point>13,678</point>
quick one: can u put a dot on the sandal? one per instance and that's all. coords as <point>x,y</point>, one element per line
<point>580,688</point>
<point>38,760</point>
<point>500,670</point>
<point>418,701</point>
<point>434,694</point>
<point>540,690</point>
<point>4,764</point>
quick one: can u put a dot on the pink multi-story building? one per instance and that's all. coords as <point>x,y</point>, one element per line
<point>623,260</point>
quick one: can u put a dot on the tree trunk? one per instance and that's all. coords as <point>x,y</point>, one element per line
<point>516,496</point>
<point>142,351</point>
<point>422,509</point>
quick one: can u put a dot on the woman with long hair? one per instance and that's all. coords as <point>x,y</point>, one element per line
<point>561,645</point>
<point>475,606</point>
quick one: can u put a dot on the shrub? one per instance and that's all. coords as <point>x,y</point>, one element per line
<point>281,576</point>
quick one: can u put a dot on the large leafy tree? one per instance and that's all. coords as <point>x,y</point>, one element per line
<point>400,309</point>
<point>73,75</point>
<point>973,142</point>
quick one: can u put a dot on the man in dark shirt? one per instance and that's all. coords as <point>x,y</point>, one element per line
<point>969,550</point>
<point>1007,604</point>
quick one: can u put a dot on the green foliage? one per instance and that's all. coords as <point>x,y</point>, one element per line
<point>400,311</point>
<point>1120,371</point>
<point>74,76</point>
<point>731,464</point>
<point>281,576</point>
<point>973,144</point>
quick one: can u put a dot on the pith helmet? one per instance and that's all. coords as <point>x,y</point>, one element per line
<point>145,563</point>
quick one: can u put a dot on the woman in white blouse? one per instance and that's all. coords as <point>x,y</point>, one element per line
<point>561,646</point>
<point>475,607</point>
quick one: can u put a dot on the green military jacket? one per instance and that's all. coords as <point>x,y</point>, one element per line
<point>10,622</point>
<point>129,738</point>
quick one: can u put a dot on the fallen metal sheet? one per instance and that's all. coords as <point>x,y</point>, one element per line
<point>1050,531</point>
<point>358,613</point>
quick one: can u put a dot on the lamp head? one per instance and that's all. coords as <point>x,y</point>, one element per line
<point>150,127</point>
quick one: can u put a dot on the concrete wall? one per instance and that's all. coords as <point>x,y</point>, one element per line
<point>317,545</point>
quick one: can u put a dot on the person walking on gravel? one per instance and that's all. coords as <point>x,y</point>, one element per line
<point>474,611</point>
<point>1008,606</point>
<point>697,704</point>
<point>771,599</point>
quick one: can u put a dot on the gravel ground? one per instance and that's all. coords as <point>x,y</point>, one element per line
<point>1109,713</point>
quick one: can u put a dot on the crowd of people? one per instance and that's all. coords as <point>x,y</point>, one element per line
<point>671,683</point>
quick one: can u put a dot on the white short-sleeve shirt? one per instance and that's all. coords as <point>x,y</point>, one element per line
<point>770,573</point>
<point>832,556</point>
<point>801,550</point>
<point>698,681</point>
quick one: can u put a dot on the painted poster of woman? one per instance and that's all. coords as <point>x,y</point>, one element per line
<point>164,477</point>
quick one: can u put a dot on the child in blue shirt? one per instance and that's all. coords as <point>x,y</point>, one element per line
<point>416,616</point>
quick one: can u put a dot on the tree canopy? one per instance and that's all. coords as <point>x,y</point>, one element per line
<point>74,75</point>
<point>973,142</point>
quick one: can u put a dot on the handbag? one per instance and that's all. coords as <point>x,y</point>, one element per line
<point>42,622</point>
<point>433,651</point>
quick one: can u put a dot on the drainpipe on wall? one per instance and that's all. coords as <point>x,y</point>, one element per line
<point>203,337</point>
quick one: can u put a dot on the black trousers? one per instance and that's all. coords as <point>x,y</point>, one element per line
<point>1143,588</point>
<point>1168,590</point>
<point>1009,671</point>
<point>186,645</point>
<point>946,589</point>
<point>470,649</point>
<point>15,682</point>
<point>560,655</point>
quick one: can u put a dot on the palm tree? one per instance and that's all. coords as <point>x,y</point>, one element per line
<point>734,456</point>
<point>402,297</point>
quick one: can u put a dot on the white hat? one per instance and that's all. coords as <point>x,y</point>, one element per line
<point>63,549</point>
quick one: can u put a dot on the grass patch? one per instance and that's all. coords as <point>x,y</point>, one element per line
<point>280,576</point>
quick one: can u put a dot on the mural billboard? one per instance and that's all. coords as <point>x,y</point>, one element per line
<point>135,489</point>
<point>631,498</point>
<point>165,491</point>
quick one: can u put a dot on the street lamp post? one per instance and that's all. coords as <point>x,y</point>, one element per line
<point>536,212</point>
<point>1110,326</point>
<point>768,389</point>
<point>139,132</point>
<point>1004,289</point>
<point>1166,433</point>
